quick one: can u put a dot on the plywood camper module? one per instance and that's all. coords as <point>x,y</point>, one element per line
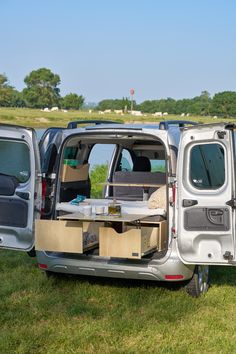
<point>135,239</point>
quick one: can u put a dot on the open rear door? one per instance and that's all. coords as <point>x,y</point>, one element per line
<point>20,187</point>
<point>206,195</point>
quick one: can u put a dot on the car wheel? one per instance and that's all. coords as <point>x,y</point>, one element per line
<point>199,283</point>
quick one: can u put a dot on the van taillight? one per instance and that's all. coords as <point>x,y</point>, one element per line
<point>42,266</point>
<point>44,187</point>
<point>174,276</point>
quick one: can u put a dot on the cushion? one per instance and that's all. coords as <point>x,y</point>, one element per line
<point>158,199</point>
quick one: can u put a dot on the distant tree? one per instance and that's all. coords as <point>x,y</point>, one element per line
<point>17,99</point>
<point>3,81</point>
<point>98,175</point>
<point>6,91</point>
<point>224,104</point>
<point>201,105</point>
<point>162,105</point>
<point>72,101</point>
<point>197,105</point>
<point>149,106</point>
<point>112,104</point>
<point>42,88</point>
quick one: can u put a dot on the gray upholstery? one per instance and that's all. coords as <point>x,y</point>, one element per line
<point>136,193</point>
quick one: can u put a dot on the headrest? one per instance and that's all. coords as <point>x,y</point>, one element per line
<point>142,164</point>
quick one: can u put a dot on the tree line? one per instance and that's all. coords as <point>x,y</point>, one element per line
<point>41,91</point>
<point>222,104</point>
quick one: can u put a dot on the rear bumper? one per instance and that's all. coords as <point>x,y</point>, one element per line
<point>115,268</point>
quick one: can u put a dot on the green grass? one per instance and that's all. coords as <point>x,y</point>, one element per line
<point>88,315</point>
<point>36,118</point>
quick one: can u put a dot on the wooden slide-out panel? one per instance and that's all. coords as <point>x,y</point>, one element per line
<point>67,236</point>
<point>132,244</point>
<point>64,236</point>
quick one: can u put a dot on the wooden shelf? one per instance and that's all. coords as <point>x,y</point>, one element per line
<point>109,218</point>
<point>143,185</point>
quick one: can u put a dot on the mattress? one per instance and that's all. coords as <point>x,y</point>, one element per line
<point>127,207</point>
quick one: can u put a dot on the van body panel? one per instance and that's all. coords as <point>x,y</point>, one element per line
<point>20,205</point>
<point>205,185</point>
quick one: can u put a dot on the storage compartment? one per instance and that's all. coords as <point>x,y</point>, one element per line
<point>162,237</point>
<point>133,243</point>
<point>73,174</point>
<point>66,236</point>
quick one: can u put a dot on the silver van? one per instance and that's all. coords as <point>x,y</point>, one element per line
<point>166,212</point>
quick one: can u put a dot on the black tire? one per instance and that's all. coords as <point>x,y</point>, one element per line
<point>53,275</point>
<point>199,283</point>
<point>32,253</point>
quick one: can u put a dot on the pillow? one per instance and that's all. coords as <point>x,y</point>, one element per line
<point>158,199</point>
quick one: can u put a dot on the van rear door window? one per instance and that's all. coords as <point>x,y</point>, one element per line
<point>207,166</point>
<point>15,160</point>
<point>99,161</point>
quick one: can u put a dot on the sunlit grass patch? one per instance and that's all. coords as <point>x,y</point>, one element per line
<point>87,315</point>
<point>40,119</point>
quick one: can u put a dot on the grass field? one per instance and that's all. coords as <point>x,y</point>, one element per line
<point>87,315</point>
<point>36,118</point>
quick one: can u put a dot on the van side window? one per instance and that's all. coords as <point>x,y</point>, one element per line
<point>207,166</point>
<point>126,163</point>
<point>70,152</point>
<point>99,160</point>
<point>158,165</point>
<point>15,160</point>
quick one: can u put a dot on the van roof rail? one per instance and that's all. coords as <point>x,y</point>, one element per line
<point>164,125</point>
<point>75,123</point>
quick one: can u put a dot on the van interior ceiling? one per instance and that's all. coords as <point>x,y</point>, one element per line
<point>107,169</point>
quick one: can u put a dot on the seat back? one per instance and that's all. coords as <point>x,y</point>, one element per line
<point>142,164</point>
<point>136,177</point>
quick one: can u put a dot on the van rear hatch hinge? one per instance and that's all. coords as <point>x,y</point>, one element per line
<point>221,134</point>
<point>228,256</point>
<point>232,203</point>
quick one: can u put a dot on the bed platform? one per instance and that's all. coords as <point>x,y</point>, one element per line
<point>136,233</point>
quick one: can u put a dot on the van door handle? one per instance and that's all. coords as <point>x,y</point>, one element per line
<point>189,202</point>
<point>216,212</point>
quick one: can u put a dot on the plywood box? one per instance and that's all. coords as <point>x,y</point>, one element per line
<point>71,174</point>
<point>162,238</point>
<point>133,243</point>
<point>65,236</point>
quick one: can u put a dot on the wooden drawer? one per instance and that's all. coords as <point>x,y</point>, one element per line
<point>162,236</point>
<point>162,239</point>
<point>133,243</point>
<point>65,236</point>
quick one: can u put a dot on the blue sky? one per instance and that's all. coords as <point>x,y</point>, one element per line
<point>102,48</point>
